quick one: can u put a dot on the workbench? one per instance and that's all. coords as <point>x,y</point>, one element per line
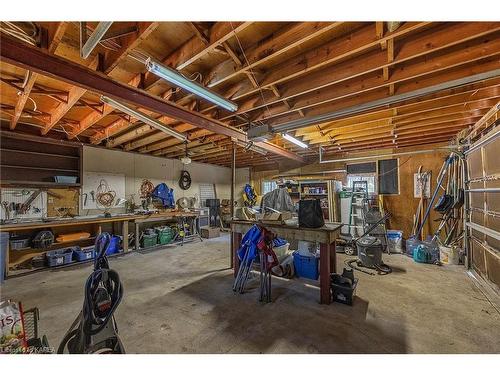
<point>92,223</point>
<point>325,236</point>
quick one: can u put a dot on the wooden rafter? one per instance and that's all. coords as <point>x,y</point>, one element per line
<point>128,43</point>
<point>23,97</point>
<point>74,94</point>
<point>194,48</point>
<point>376,61</point>
<point>297,70</point>
<point>200,33</point>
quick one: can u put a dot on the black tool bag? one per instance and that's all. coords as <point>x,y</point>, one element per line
<point>310,213</point>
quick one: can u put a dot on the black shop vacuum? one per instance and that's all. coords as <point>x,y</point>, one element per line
<point>370,249</point>
<point>94,330</point>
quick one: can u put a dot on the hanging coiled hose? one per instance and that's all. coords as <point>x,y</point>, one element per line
<point>102,295</point>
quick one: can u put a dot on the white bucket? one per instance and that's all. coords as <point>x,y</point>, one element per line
<point>449,255</point>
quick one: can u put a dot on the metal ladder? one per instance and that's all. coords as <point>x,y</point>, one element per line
<point>356,217</point>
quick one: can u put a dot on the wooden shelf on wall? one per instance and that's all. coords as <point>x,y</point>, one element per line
<point>35,161</point>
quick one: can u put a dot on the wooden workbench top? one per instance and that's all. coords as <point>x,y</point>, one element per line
<point>82,220</point>
<point>326,234</point>
<point>328,227</point>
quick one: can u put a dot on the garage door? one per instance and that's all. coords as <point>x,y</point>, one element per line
<point>483,208</point>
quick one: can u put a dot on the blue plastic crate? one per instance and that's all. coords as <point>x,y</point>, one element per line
<point>59,257</point>
<point>306,266</point>
<point>84,253</point>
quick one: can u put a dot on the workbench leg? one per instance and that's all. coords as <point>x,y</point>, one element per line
<point>125,236</point>
<point>324,273</point>
<point>235,245</point>
<point>137,236</point>
<point>333,258</point>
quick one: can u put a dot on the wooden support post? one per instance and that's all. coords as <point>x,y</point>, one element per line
<point>137,236</point>
<point>324,275</point>
<point>125,236</point>
<point>233,181</point>
<point>235,245</point>
<point>333,258</point>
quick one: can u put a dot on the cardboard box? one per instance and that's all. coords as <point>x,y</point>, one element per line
<point>208,232</point>
<point>275,217</point>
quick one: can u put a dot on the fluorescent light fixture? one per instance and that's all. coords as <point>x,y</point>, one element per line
<point>144,118</point>
<point>294,140</point>
<point>177,79</point>
<point>94,38</point>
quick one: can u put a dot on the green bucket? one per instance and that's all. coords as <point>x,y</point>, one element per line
<point>149,240</point>
<point>165,235</point>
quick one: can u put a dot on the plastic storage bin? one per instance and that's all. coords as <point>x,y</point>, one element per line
<point>306,266</point>
<point>395,241</point>
<point>84,253</point>
<point>19,242</point>
<point>59,257</point>
<point>165,235</point>
<point>149,240</point>
<point>65,179</point>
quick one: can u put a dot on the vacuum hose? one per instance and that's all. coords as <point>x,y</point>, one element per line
<point>102,295</point>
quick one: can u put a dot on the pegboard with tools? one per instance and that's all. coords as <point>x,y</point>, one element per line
<point>18,203</point>
<point>63,202</point>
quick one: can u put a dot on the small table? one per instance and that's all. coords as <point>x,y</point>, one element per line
<point>325,235</point>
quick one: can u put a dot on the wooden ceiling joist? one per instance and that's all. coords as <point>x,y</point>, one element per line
<point>32,58</point>
<point>376,61</point>
<point>23,98</point>
<point>194,48</point>
<point>276,72</point>
<point>407,77</point>
<point>128,43</point>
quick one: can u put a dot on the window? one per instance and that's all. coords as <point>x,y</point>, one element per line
<point>268,186</point>
<point>388,179</point>
<point>368,177</point>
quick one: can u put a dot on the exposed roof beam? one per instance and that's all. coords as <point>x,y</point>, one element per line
<point>56,31</point>
<point>335,50</point>
<point>395,120</point>
<point>199,33</point>
<point>74,94</point>
<point>32,58</point>
<point>23,97</point>
<point>280,42</point>
<point>128,43</point>
<point>372,62</point>
<point>194,48</point>
<point>480,91</point>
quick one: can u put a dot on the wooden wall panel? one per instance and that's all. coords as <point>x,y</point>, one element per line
<point>403,205</point>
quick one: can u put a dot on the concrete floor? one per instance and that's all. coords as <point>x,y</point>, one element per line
<point>179,300</point>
